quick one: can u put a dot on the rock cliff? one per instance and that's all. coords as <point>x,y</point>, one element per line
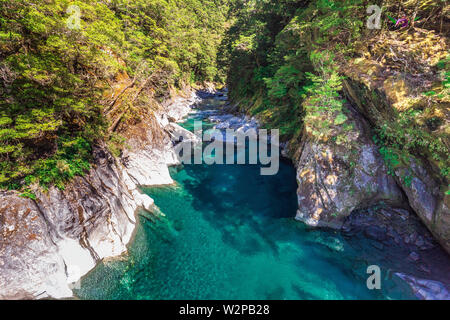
<point>48,244</point>
<point>335,180</point>
<point>391,89</point>
<point>394,86</point>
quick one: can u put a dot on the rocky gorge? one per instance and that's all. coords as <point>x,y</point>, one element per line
<point>348,187</point>
<point>96,202</point>
<point>49,243</point>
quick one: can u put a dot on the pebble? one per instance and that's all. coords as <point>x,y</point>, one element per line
<point>414,256</point>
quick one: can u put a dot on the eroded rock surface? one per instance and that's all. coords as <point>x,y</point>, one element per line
<point>387,79</point>
<point>63,233</point>
<point>398,242</point>
<point>334,180</point>
<point>426,289</point>
<point>424,189</point>
<point>49,243</point>
<point>29,260</point>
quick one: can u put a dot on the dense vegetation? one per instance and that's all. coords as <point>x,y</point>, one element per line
<point>66,67</point>
<point>59,58</point>
<point>287,61</point>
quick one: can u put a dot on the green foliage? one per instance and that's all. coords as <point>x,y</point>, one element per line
<point>280,59</point>
<point>27,193</point>
<point>54,78</point>
<point>285,60</point>
<point>391,159</point>
<point>71,159</point>
<point>331,23</point>
<point>252,56</point>
<point>323,105</point>
<point>115,144</point>
<point>404,138</point>
<point>274,64</point>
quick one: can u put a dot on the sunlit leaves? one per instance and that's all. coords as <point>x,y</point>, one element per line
<point>55,76</point>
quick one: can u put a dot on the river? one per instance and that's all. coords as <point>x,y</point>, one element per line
<point>229,233</point>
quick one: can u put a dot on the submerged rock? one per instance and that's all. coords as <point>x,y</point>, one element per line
<point>392,227</point>
<point>229,121</point>
<point>243,126</point>
<point>426,289</point>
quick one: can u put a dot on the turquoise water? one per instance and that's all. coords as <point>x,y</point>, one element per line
<point>229,233</point>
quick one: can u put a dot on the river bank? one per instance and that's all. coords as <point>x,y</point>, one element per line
<point>240,215</point>
<point>50,242</point>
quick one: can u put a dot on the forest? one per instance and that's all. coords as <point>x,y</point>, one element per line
<point>58,60</point>
<point>65,65</point>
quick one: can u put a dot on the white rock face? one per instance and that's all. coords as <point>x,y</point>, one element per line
<point>180,108</point>
<point>426,289</point>
<point>30,263</point>
<point>47,245</point>
<point>243,126</point>
<point>229,121</point>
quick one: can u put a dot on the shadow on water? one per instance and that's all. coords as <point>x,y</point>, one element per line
<point>233,196</point>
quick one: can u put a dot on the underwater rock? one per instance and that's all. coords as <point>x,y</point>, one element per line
<point>49,243</point>
<point>426,289</point>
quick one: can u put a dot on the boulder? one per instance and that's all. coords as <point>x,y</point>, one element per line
<point>334,180</point>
